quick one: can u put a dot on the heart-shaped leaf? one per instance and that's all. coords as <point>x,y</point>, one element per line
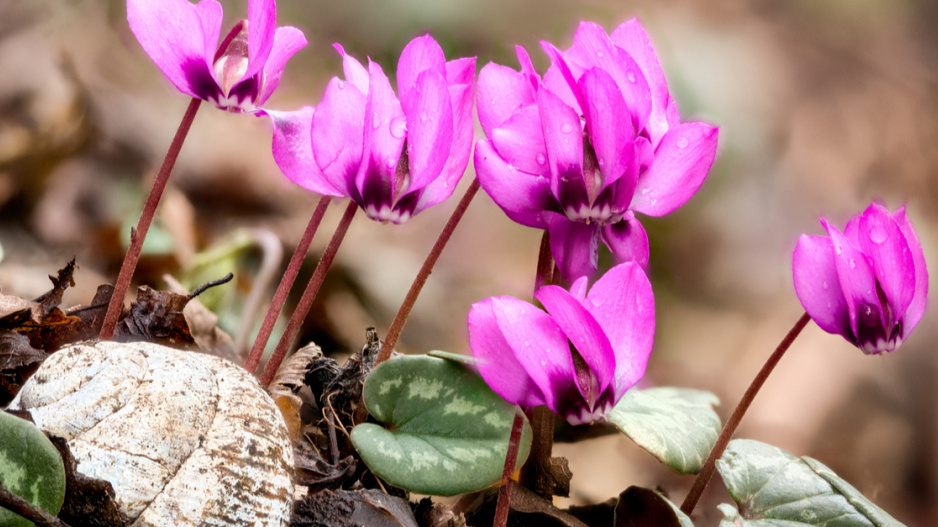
<point>775,488</point>
<point>676,425</point>
<point>447,430</point>
<point>30,467</point>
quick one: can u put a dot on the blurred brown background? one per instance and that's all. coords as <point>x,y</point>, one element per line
<point>823,107</point>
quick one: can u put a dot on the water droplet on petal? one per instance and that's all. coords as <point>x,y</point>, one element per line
<point>566,128</point>
<point>838,249</point>
<point>853,263</point>
<point>877,235</point>
<point>602,162</point>
<point>631,76</point>
<point>526,343</point>
<point>375,122</point>
<point>390,162</point>
<point>399,127</point>
<point>682,143</point>
<point>341,85</point>
<point>540,159</point>
<point>600,54</point>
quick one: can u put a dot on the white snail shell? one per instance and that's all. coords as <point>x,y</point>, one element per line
<point>184,438</point>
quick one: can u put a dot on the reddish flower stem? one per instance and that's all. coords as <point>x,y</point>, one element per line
<point>289,276</point>
<point>116,304</point>
<point>706,472</point>
<point>306,302</point>
<point>398,324</point>
<point>511,457</point>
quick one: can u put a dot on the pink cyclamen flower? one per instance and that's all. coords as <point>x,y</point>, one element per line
<point>579,357</point>
<point>867,284</point>
<point>238,75</point>
<point>393,157</point>
<point>598,138</point>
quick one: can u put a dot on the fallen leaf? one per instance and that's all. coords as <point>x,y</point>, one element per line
<point>344,508</point>
<point>18,361</point>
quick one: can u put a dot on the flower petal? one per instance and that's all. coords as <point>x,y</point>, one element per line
<point>574,246</point>
<point>354,72</point>
<point>292,149</point>
<point>857,282</point>
<point>681,163</point>
<point>381,150</point>
<point>563,136</point>
<point>496,359</point>
<point>584,332</point>
<point>631,37</point>
<point>611,136</point>
<point>623,304</point>
<point>818,286</point>
<point>627,240</point>
<point>262,21</point>
<point>287,41</point>
<point>522,196</point>
<point>917,306</point>
<point>502,91</point>
<point>881,239</point>
<point>461,71</point>
<point>421,54</point>
<point>429,114</point>
<point>520,141</point>
<point>338,132</point>
<point>180,38</point>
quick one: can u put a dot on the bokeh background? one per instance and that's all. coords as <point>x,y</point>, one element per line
<point>822,107</point>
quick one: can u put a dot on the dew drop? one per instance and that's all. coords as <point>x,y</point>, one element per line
<point>526,343</point>
<point>631,76</point>
<point>390,162</point>
<point>540,159</point>
<point>600,54</point>
<point>543,363</point>
<point>602,162</point>
<point>877,235</point>
<point>375,122</point>
<point>838,249</point>
<point>566,128</point>
<point>341,85</point>
<point>853,263</point>
<point>682,143</point>
<point>399,127</point>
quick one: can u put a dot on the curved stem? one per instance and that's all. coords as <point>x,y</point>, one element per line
<point>511,458</point>
<point>398,324</point>
<point>306,302</point>
<point>706,472</point>
<point>289,276</point>
<point>116,304</point>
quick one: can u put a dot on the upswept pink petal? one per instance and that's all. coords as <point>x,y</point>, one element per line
<point>578,288</point>
<point>338,131</point>
<point>538,344</point>
<point>818,286</point>
<point>355,73</point>
<point>502,91</point>
<point>611,135</point>
<point>287,41</point>
<point>429,114</point>
<point>527,67</point>
<point>623,304</point>
<point>574,245</point>
<point>631,37</point>
<point>627,240</point>
<point>881,239</point>
<point>563,136</point>
<point>856,281</point>
<point>292,149</point>
<point>461,71</point>
<point>178,37</point>
<point>522,196</point>
<point>496,360</point>
<point>555,82</point>
<point>585,333</point>
<point>381,150</point>
<point>681,163</point>
<point>917,306</point>
<point>561,78</point>
<point>520,141</point>
<point>593,48</point>
<point>262,21</point>
<point>421,54</point>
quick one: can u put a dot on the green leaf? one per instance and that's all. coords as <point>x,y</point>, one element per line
<point>775,488</point>
<point>30,467</point>
<point>447,430</point>
<point>676,425</point>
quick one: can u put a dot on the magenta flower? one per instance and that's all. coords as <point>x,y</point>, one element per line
<point>598,138</point>
<point>581,356</point>
<point>241,74</point>
<point>393,157</point>
<point>867,284</point>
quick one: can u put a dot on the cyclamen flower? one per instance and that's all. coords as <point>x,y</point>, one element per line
<point>581,356</point>
<point>393,157</point>
<point>597,139</point>
<point>867,284</point>
<point>241,74</point>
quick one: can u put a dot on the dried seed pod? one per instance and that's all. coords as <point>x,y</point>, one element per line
<point>184,438</point>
